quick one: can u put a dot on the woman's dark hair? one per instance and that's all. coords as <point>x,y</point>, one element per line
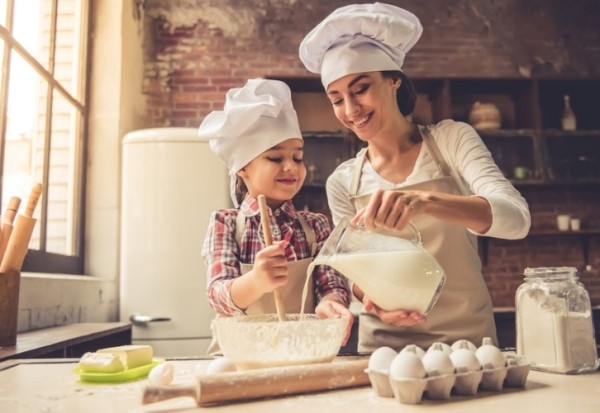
<point>406,96</point>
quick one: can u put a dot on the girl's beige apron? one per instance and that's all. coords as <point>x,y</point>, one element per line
<point>290,292</point>
<point>464,308</point>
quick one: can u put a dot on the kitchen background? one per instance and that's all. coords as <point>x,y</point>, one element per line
<point>164,63</point>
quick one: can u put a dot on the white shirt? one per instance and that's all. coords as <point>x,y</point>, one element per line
<point>470,162</point>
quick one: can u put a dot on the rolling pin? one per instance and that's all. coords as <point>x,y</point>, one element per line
<point>269,382</point>
<point>18,244</point>
<point>266,226</point>
<point>7,223</point>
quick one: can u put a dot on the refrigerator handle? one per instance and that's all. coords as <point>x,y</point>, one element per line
<point>143,320</point>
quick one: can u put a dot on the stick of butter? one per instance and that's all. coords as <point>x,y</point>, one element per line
<point>131,355</point>
<point>101,363</point>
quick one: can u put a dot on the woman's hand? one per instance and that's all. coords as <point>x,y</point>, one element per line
<point>270,268</point>
<point>332,309</point>
<point>399,318</point>
<point>392,209</point>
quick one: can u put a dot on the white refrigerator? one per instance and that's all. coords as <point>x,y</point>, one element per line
<point>171,182</point>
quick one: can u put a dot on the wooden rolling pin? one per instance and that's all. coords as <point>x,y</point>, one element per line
<point>266,226</point>
<point>18,244</point>
<point>270,382</point>
<point>7,223</point>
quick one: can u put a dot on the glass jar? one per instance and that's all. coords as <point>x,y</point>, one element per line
<point>555,329</point>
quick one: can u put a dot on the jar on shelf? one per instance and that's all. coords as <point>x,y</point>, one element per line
<point>485,116</point>
<point>555,328</point>
<point>569,121</point>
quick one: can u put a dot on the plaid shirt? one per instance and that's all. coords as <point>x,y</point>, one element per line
<point>223,255</point>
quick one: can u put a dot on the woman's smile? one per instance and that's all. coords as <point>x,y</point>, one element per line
<point>362,121</point>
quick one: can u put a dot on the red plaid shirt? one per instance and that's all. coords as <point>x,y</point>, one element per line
<point>223,255</point>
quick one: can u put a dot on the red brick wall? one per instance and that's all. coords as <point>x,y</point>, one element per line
<point>197,50</point>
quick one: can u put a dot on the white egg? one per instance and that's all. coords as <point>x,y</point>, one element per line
<point>381,359</point>
<point>464,360</point>
<point>463,344</point>
<point>220,365</point>
<point>437,363</point>
<point>161,374</point>
<point>415,349</point>
<point>407,365</point>
<point>438,345</point>
<point>489,355</point>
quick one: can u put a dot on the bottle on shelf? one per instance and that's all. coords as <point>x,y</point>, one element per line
<point>569,122</point>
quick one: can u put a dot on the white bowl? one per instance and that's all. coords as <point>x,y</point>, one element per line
<point>260,341</point>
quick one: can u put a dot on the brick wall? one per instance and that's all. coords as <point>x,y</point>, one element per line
<point>197,50</point>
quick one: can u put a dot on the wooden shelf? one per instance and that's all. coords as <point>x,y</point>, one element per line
<point>67,341</point>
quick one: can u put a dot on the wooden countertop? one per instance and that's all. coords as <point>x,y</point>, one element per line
<point>49,385</point>
<point>70,340</point>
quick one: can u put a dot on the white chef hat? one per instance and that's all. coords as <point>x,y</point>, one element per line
<point>360,38</point>
<point>255,117</point>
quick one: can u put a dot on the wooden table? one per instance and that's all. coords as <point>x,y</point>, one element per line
<point>51,386</point>
<point>70,340</point>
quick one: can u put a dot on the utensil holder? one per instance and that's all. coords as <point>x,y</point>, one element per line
<point>9,307</point>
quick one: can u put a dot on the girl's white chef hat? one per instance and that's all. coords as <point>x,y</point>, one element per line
<point>255,117</point>
<point>360,38</point>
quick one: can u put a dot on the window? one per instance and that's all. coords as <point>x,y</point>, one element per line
<point>43,115</point>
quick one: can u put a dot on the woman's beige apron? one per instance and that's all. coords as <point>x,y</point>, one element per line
<point>464,308</point>
<point>291,292</point>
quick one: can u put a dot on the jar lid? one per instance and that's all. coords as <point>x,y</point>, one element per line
<point>550,272</point>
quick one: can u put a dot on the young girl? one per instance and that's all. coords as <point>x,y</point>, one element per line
<point>257,135</point>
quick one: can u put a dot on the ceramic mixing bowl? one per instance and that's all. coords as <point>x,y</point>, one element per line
<point>261,341</point>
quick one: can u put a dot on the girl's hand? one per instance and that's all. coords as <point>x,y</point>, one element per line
<point>332,309</point>
<point>270,267</point>
<point>399,318</point>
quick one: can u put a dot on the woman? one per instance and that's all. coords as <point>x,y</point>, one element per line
<point>440,177</point>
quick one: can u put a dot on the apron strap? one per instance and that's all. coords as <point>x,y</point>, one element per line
<point>311,238</point>
<point>439,159</point>
<point>435,151</point>
<point>240,226</point>
<point>356,172</point>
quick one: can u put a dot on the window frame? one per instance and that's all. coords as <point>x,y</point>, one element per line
<point>41,260</point>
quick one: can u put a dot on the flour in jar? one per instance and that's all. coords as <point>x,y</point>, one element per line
<point>394,280</point>
<point>553,338</point>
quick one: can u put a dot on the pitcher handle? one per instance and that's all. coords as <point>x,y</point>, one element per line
<point>416,233</point>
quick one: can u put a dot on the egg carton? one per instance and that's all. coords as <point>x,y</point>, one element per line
<point>436,386</point>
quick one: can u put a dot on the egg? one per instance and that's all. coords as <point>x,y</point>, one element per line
<point>407,365</point>
<point>438,345</point>
<point>161,374</point>
<point>463,344</point>
<point>437,363</point>
<point>381,359</point>
<point>220,365</point>
<point>489,355</point>
<point>415,349</point>
<point>464,360</point>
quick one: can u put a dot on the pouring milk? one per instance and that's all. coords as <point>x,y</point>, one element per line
<point>395,273</point>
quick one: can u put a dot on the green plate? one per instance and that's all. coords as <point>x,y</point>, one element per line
<point>118,377</point>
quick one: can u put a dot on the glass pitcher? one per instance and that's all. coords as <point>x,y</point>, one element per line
<point>396,273</point>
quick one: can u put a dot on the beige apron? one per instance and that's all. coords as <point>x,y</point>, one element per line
<point>464,308</point>
<point>291,292</point>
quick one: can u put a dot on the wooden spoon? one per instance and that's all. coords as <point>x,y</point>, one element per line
<point>264,220</point>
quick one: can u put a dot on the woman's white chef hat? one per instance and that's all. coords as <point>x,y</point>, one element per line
<point>360,38</point>
<point>255,117</point>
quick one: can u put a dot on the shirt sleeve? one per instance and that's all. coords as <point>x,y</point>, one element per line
<point>221,258</point>
<point>328,282</point>
<point>468,155</point>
